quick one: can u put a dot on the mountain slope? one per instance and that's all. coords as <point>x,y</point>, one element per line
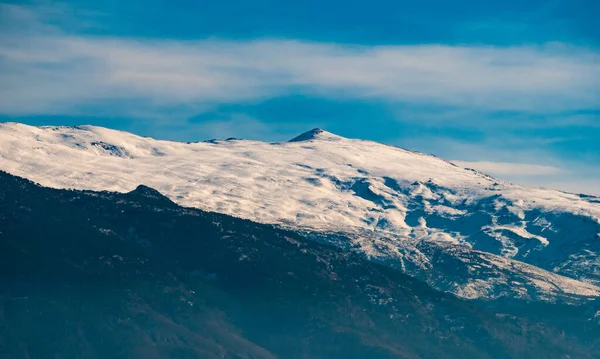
<point>100,274</point>
<point>398,205</point>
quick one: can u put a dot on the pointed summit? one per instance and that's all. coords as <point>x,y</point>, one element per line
<point>316,134</point>
<point>145,193</point>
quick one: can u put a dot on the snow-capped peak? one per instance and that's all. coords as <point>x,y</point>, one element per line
<point>316,134</point>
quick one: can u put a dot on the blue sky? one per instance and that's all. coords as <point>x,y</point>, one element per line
<point>508,87</point>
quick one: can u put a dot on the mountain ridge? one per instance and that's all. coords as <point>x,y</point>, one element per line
<point>105,274</point>
<point>394,202</point>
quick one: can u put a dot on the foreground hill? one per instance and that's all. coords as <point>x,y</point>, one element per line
<point>101,274</point>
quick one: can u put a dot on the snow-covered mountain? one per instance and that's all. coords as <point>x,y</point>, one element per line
<point>460,230</point>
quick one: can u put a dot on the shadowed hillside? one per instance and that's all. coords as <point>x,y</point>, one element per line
<point>100,274</point>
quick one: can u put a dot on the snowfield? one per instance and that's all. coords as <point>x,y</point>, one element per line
<point>407,209</point>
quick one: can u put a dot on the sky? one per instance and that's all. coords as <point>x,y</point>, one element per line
<point>509,87</point>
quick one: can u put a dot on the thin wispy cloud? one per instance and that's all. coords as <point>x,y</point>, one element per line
<point>567,176</point>
<point>509,168</point>
<point>50,71</point>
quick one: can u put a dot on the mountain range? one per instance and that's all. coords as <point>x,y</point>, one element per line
<point>458,230</point>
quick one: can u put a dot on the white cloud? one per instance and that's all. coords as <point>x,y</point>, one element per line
<point>47,71</point>
<point>574,184</point>
<point>508,168</point>
<point>508,160</point>
<point>570,177</point>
